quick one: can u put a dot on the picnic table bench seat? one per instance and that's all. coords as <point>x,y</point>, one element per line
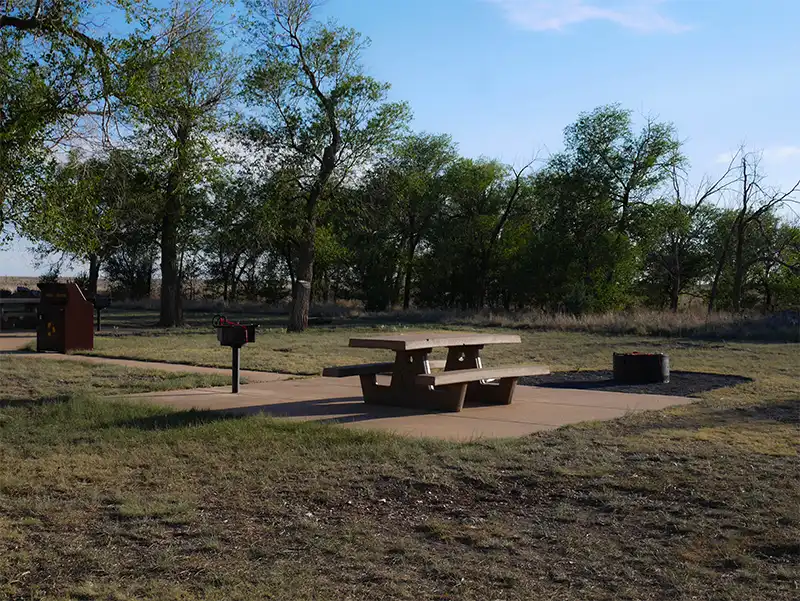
<point>368,369</point>
<point>491,385</point>
<point>461,376</point>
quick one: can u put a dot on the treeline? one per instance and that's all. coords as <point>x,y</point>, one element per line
<point>288,174</point>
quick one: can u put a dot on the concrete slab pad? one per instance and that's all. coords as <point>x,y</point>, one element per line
<point>339,401</point>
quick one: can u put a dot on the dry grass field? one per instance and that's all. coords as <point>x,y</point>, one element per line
<point>276,350</point>
<point>108,500</point>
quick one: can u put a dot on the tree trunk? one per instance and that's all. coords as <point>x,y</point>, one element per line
<point>675,285</point>
<point>767,295</point>
<point>171,301</point>
<point>301,290</point>
<point>718,274</point>
<point>412,248</point>
<point>94,275</point>
<point>170,276</point>
<point>712,297</point>
<point>676,279</point>
<point>674,296</point>
<point>287,255</point>
<point>739,267</point>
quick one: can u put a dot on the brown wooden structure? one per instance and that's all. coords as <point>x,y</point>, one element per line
<point>66,319</point>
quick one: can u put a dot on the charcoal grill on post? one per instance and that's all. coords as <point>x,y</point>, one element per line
<point>100,302</point>
<point>234,335</point>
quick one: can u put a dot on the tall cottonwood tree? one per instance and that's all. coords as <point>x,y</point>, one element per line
<point>630,165</point>
<point>320,115</point>
<point>177,91</point>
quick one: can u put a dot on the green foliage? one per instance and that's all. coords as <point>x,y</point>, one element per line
<point>406,192</point>
<point>238,231</point>
<point>78,205</point>
<point>56,66</point>
<point>308,85</point>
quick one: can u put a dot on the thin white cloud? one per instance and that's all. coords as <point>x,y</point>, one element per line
<point>644,16</point>
<point>724,158</point>
<point>787,153</point>
<point>782,153</point>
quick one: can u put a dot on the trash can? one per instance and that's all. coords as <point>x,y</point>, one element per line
<point>66,319</point>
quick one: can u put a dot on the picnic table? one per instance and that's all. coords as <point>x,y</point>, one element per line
<point>413,382</point>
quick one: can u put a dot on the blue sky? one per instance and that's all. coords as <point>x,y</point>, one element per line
<point>504,77</point>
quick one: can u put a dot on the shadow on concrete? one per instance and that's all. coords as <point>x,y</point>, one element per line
<point>682,383</point>
<point>336,410</point>
<point>344,409</point>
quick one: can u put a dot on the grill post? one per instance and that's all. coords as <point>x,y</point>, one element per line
<point>235,369</point>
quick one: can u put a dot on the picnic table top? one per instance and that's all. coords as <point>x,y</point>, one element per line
<point>428,340</point>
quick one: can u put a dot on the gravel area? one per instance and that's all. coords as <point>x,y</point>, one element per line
<point>681,383</point>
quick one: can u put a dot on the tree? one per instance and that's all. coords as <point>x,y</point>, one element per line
<point>597,197</point>
<point>57,68</point>
<point>631,165</point>
<point>322,116</point>
<point>756,202</point>
<point>237,232</point>
<point>481,196</point>
<point>680,255</point>
<point>408,185</point>
<point>177,90</point>
<point>80,209</point>
<point>779,264</point>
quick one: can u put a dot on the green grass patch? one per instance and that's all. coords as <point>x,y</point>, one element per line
<point>28,380</point>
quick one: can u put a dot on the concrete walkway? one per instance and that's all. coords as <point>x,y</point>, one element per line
<point>251,376</point>
<point>338,400</point>
<point>12,341</point>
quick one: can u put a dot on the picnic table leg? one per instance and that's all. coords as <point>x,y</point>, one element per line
<point>467,357</point>
<point>405,392</point>
<point>403,389</point>
<point>499,393</point>
<point>495,393</point>
<point>407,365</point>
<point>463,357</point>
